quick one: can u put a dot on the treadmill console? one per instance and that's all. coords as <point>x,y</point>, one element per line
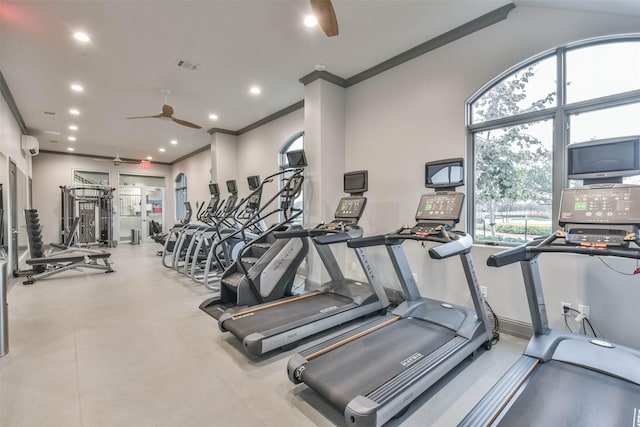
<point>436,209</point>
<point>350,208</point>
<point>600,214</point>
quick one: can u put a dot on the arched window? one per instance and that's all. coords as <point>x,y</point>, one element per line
<point>181,196</point>
<point>295,142</point>
<point>521,122</point>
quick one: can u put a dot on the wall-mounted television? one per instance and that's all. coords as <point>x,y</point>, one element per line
<point>604,159</point>
<point>448,173</point>
<point>214,189</point>
<point>232,187</point>
<point>253,181</point>
<point>296,159</point>
<point>356,182</point>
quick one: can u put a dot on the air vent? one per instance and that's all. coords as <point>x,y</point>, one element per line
<point>52,141</point>
<point>52,132</point>
<point>49,113</point>
<point>187,65</point>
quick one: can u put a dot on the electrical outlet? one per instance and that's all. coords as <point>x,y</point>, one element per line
<point>585,310</point>
<point>353,266</point>
<point>562,306</point>
<point>483,291</point>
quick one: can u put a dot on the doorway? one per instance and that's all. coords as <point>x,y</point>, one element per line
<point>141,200</point>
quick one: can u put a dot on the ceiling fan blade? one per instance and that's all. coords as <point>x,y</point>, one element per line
<point>186,123</point>
<point>323,11</point>
<point>157,116</point>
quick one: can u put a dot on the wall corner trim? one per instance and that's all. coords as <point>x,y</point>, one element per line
<point>225,131</point>
<point>8,97</point>
<point>450,36</point>
<point>323,75</point>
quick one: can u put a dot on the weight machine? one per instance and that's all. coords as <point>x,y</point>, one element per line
<point>93,204</point>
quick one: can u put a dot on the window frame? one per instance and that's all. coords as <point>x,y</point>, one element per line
<point>559,114</point>
<point>180,211</point>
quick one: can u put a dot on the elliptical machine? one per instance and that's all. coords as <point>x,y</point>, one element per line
<point>265,268</point>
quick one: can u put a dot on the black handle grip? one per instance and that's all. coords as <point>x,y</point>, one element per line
<point>508,256</point>
<point>363,242</point>
<point>329,239</point>
<point>289,234</point>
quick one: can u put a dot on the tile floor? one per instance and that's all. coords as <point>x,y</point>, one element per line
<point>131,348</point>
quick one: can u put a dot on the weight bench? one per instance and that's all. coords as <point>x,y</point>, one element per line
<point>57,264</point>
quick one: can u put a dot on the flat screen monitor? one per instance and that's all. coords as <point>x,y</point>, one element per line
<point>356,182</point>
<point>440,207</point>
<point>231,186</point>
<point>444,173</point>
<point>615,204</point>
<point>604,159</point>
<point>350,207</point>
<point>253,181</point>
<point>214,189</point>
<point>296,159</point>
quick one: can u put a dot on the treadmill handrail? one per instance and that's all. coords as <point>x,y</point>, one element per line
<point>459,246</point>
<point>531,250</point>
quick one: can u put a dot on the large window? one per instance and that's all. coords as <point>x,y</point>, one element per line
<point>520,124</point>
<point>296,142</point>
<point>181,196</point>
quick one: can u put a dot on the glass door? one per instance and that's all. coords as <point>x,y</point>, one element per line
<point>153,200</point>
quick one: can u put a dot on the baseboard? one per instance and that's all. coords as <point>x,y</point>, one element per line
<point>514,328</point>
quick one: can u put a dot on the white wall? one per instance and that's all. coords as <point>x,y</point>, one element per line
<point>257,150</point>
<point>398,120</point>
<point>50,171</point>
<point>10,149</point>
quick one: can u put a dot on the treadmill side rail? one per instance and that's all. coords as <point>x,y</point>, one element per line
<point>498,397</point>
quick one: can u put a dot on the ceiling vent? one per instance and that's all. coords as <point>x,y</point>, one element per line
<point>49,113</point>
<point>187,65</point>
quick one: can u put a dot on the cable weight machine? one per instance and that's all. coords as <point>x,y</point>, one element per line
<point>93,204</point>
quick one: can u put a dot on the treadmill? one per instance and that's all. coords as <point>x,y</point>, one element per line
<point>564,378</point>
<point>266,327</point>
<point>373,372</point>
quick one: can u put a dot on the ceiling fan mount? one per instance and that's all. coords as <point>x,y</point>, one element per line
<point>167,113</point>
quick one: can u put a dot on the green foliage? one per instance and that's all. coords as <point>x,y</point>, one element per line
<point>531,229</point>
<point>508,239</point>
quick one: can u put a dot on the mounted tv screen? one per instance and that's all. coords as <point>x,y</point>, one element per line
<point>356,182</point>
<point>604,159</point>
<point>444,173</point>
<point>253,181</point>
<point>214,189</point>
<point>296,159</point>
<point>231,186</point>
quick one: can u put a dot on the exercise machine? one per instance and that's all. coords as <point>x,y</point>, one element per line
<point>564,378</point>
<point>93,204</point>
<point>265,327</point>
<point>265,268</point>
<point>373,372</point>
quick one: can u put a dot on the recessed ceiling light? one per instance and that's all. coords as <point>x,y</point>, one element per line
<point>71,149</point>
<point>71,138</point>
<point>213,116</point>
<point>74,112</point>
<point>310,21</point>
<point>73,127</point>
<point>77,88</point>
<point>80,36</point>
<point>162,150</point>
<point>174,142</point>
<point>255,90</point>
<point>149,158</point>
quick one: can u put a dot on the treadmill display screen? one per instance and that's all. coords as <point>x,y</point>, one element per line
<point>350,207</point>
<point>601,204</point>
<point>444,206</point>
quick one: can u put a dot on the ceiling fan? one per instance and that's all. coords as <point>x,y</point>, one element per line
<point>167,114</point>
<point>326,16</point>
<point>117,160</point>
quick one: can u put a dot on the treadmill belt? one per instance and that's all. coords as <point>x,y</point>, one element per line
<point>283,314</point>
<point>562,394</point>
<point>362,365</point>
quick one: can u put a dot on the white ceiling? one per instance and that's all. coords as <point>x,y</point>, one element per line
<point>135,45</point>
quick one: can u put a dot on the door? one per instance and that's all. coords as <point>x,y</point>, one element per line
<point>153,210</point>
<point>13,215</point>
